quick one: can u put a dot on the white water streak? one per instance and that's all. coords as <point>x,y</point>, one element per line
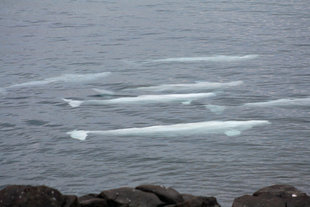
<point>229,128</point>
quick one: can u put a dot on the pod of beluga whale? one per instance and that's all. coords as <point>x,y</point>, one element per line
<point>229,128</point>
<point>144,99</point>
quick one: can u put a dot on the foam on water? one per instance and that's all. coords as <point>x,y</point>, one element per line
<point>144,99</point>
<point>229,128</point>
<point>69,78</point>
<point>281,102</point>
<point>191,86</point>
<point>217,58</point>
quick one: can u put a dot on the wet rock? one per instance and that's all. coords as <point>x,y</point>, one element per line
<point>187,197</point>
<point>88,197</point>
<point>70,201</point>
<point>34,196</point>
<point>167,195</point>
<point>274,196</point>
<point>282,191</point>
<point>253,201</point>
<point>298,202</point>
<point>130,197</point>
<point>198,201</point>
<point>94,202</point>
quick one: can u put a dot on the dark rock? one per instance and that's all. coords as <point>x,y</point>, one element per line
<point>199,201</point>
<point>274,196</point>
<point>253,201</point>
<point>94,202</point>
<point>70,201</point>
<point>282,191</point>
<point>130,197</point>
<point>167,195</point>
<point>34,196</point>
<point>88,197</point>
<point>187,197</point>
<point>298,202</point>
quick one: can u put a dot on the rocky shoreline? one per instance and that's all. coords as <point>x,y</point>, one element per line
<point>146,196</point>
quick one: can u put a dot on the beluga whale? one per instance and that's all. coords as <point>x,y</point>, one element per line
<point>144,99</point>
<point>199,85</point>
<point>215,58</point>
<point>285,102</point>
<point>66,78</point>
<point>229,128</point>
<point>281,103</point>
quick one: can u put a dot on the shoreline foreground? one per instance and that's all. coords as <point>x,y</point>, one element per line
<point>146,196</point>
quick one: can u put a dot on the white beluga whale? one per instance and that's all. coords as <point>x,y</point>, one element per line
<point>286,102</point>
<point>67,78</point>
<point>191,86</point>
<point>144,99</point>
<point>283,103</point>
<point>184,87</point>
<point>229,128</point>
<point>216,58</point>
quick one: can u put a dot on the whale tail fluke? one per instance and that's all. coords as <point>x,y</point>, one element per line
<point>78,134</point>
<point>216,108</point>
<point>104,92</point>
<point>187,102</point>
<point>73,103</point>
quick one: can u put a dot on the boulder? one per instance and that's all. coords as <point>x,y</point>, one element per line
<point>253,201</point>
<point>94,202</point>
<point>198,201</point>
<point>167,195</point>
<point>187,197</point>
<point>274,196</point>
<point>282,191</point>
<point>130,197</point>
<point>35,196</point>
<point>70,201</point>
<point>88,197</point>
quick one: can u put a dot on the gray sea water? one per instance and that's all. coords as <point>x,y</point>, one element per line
<point>144,58</point>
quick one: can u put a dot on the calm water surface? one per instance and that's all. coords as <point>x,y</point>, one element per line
<point>264,45</point>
